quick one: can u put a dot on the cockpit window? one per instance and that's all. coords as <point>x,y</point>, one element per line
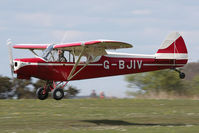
<point>55,55</point>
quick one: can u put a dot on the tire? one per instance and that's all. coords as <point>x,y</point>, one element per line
<point>58,94</point>
<point>182,75</point>
<point>40,95</point>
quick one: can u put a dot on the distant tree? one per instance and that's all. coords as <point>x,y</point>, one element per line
<point>11,87</point>
<point>194,87</point>
<point>191,70</point>
<point>72,91</point>
<point>23,88</point>
<point>5,84</point>
<point>39,83</point>
<point>158,81</point>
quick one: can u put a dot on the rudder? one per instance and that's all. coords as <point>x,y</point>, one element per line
<point>173,47</point>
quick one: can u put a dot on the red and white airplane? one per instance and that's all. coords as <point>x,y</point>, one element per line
<point>57,71</point>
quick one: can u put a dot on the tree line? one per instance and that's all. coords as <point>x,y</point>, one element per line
<point>166,83</point>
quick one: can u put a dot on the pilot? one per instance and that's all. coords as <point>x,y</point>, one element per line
<point>61,56</point>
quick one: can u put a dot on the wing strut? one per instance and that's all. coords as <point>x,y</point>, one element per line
<point>87,62</point>
<point>32,50</point>
<point>76,64</point>
<point>72,74</point>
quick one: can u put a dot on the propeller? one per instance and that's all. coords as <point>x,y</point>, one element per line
<point>64,37</point>
<point>9,44</point>
<point>62,41</point>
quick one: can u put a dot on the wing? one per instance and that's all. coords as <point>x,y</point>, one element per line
<point>31,46</point>
<point>107,44</point>
<point>95,48</point>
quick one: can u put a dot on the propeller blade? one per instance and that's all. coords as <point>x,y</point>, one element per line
<point>64,37</point>
<point>9,44</point>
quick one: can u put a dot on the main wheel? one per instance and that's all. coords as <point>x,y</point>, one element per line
<point>40,95</point>
<point>58,94</point>
<point>182,75</point>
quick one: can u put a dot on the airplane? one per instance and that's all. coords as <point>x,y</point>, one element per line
<point>90,59</point>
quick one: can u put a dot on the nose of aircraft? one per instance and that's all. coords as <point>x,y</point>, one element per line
<point>16,65</point>
<point>19,69</point>
<point>19,63</point>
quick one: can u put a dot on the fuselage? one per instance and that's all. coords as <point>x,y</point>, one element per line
<point>108,65</point>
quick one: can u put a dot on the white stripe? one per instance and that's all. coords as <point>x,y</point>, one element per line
<point>22,64</point>
<point>94,64</point>
<point>171,56</point>
<point>126,55</point>
<point>163,64</point>
<point>61,64</point>
<point>113,64</point>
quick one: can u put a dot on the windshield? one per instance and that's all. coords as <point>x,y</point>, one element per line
<point>47,51</point>
<point>55,55</point>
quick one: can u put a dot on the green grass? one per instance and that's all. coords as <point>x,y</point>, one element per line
<point>99,116</point>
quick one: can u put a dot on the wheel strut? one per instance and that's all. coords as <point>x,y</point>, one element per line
<point>51,86</point>
<point>181,74</point>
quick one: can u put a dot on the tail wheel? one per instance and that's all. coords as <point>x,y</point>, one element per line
<point>182,75</point>
<point>40,94</point>
<point>58,94</point>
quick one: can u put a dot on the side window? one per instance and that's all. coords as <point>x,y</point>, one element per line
<point>83,59</point>
<point>69,57</point>
<point>65,56</point>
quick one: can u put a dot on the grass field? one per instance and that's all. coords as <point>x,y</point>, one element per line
<point>99,116</point>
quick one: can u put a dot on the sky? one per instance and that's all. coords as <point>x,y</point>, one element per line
<point>142,23</point>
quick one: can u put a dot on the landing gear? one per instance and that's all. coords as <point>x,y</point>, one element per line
<point>55,87</point>
<point>58,94</point>
<point>41,94</point>
<point>181,74</point>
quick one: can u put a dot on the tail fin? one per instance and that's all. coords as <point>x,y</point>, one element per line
<point>173,47</point>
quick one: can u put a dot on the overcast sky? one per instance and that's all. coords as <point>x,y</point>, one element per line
<point>143,23</point>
